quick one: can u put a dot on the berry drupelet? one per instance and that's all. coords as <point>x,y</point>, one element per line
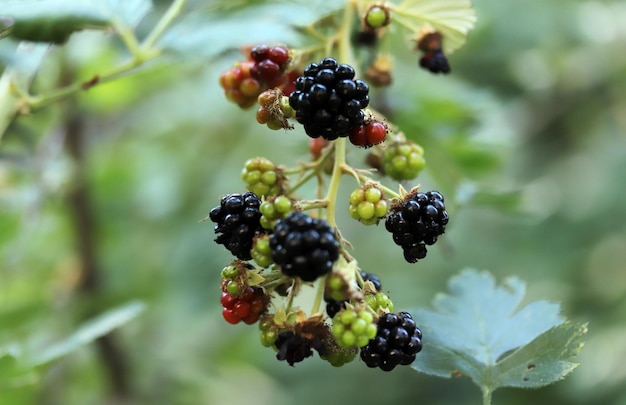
<point>304,247</point>
<point>237,221</point>
<point>397,342</point>
<point>328,101</point>
<point>417,222</point>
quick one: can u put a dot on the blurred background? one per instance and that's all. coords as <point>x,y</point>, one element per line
<point>527,137</point>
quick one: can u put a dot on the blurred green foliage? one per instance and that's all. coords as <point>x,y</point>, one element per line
<point>527,134</point>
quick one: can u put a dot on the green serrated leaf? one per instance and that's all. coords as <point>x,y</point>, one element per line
<point>454,18</point>
<point>55,20</point>
<point>90,331</point>
<point>545,360</point>
<point>479,330</point>
<point>205,36</point>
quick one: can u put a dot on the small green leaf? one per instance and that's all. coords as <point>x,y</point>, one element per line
<point>90,331</point>
<point>479,330</point>
<point>454,18</point>
<point>55,20</point>
<point>22,68</point>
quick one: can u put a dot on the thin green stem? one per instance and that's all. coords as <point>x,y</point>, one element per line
<point>361,177</point>
<point>166,20</point>
<point>128,37</point>
<point>43,100</point>
<point>319,295</point>
<point>316,167</point>
<point>311,205</point>
<point>335,180</point>
<point>346,56</point>
<point>487,395</point>
<point>290,295</point>
<point>141,53</point>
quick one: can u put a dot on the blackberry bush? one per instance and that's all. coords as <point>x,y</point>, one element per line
<point>296,241</point>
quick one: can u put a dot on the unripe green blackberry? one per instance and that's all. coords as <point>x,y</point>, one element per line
<point>269,331</point>
<point>403,160</point>
<point>262,177</point>
<point>338,356</point>
<point>274,209</point>
<point>336,287</point>
<point>368,204</point>
<point>379,302</point>
<point>352,328</point>
<point>377,16</point>
<point>261,251</point>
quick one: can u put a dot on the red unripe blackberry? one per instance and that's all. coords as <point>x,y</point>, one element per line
<point>417,222</point>
<point>397,342</point>
<point>328,101</point>
<point>369,134</point>
<point>246,307</point>
<point>237,221</point>
<point>304,247</point>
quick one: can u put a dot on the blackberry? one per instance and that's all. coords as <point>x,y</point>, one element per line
<point>397,342</point>
<point>237,221</point>
<point>328,101</point>
<point>418,222</point>
<point>435,62</point>
<point>373,278</point>
<point>333,307</point>
<point>304,247</point>
<point>293,347</point>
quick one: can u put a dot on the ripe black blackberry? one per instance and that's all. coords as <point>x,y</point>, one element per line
<point>373,278</point>
<point>304,247</point>
<point>328,101</point>
<point>397,342</point>
<point>333,307</point>
<point>237,222</point>
<point>417,222</point>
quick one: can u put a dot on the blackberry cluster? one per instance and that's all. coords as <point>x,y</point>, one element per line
<point>237,221</point>
<point>397,342</point>
<point>328,101</point>
<point>304,247</point>
<point>418,222</point>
